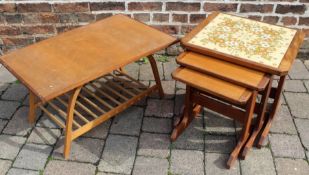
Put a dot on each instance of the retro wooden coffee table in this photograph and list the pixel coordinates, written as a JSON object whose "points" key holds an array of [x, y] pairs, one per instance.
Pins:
{"points": [[78, 73], [267, 48]]}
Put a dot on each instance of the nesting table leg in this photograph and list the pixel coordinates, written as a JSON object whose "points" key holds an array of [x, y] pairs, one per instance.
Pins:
{"points": [[245, 131], [69, 122], [187, 116], [260, 120], [274, 108], [156, 75], [32, 108]]}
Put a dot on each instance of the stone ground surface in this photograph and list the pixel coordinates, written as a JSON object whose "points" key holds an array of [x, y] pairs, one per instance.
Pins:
{"points": [[137, 140]]}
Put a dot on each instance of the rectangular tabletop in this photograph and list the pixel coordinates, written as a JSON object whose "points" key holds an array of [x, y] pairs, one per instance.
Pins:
{"points": [[225, 70], [59, 64], [225, 90], [250, 43]]}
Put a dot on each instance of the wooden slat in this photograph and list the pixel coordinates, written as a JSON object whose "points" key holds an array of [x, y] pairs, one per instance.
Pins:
{"points": [[115, 85], [62, 113], [105, 94], [112, 112], [91, 103], [113, 91], [75, 111], [126, 83], [129, 77], [53, 117], [98, 98], [85, 108], [119, 87], [222, 108]]}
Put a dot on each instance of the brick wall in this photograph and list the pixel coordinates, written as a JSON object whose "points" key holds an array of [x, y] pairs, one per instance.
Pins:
{"points": [[25, 22]]}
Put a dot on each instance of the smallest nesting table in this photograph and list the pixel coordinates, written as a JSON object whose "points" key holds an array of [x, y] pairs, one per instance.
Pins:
{"points": [[78, 73]]}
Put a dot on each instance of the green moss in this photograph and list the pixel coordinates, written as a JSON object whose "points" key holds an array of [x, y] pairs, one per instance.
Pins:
{"points": [[163, 58], [143, 60]]}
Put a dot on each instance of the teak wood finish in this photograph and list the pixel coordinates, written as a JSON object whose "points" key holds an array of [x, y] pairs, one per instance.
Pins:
{"points": [[79, 74], [73, 58], [235, 74], [265, 118], [283, 68], [224, 70], [219, 96], [212, 85]]}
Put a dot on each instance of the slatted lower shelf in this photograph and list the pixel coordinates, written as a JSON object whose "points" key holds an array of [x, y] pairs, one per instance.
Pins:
{"points": [[98, 101]]}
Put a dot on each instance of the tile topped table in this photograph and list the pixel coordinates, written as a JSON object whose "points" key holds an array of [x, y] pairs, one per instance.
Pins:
{"points": [[78, 73], [250, 43]]}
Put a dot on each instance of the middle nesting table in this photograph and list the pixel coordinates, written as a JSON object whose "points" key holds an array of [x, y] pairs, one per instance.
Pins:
{"points": [[213, 83]]}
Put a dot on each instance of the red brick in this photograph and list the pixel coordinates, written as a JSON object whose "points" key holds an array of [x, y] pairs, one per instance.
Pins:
{"points": [[288, 20], [85, 17], [143, 17], [62, 29], [145, 6], [209, 7], [49, 18], [262, 8], [305, 1], [160, 17], [303, 21], [9, 42], [284, 0], [183, 18], [2, 19], [35, 7], [306, 32], [254, 17], [71, 7], [46, 17], [68, 18], [13, 18], [31, 18], [94, 6], [283, 9], [197, 18], [9, 7], [41, 38], [102, 16], [271, 19], [9, 30], [170, 29], [182, 6], [186, 29], [32, 30]]}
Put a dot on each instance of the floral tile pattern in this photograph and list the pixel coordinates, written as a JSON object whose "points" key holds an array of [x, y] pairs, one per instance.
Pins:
{"points": [[244, 38]]}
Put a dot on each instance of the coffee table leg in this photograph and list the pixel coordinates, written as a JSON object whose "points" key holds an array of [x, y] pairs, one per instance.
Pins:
{"points": [[260, 121], [32, 108], [274, 109], [69, 122], [156, 74]]}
